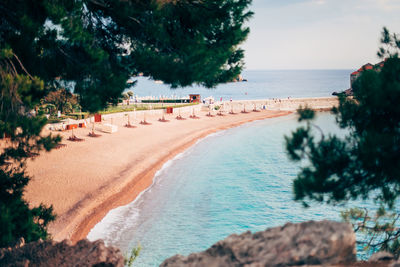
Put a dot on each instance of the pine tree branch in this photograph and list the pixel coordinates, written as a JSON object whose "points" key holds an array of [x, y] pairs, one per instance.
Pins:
{"points": [[22, 66]]}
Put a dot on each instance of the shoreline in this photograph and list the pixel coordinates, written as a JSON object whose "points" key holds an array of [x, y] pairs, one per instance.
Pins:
{"points": [[83, 198], [143, 181]]}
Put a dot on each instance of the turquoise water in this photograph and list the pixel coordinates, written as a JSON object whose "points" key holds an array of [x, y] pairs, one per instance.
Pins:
{"points": [[262, 84], [233, 181]]}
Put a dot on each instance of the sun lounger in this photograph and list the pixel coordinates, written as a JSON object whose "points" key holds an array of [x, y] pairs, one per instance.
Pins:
{"points": [[109, 128]]}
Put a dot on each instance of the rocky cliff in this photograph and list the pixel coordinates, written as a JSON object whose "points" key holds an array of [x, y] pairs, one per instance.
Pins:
{"points": [[292, 244]]}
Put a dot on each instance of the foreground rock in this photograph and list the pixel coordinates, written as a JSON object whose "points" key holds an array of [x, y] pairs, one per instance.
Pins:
{"points": [[308, 243], [48, 253]]}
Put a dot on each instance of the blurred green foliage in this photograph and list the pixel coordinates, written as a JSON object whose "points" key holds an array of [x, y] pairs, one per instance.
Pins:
{"points": [[363, 164]]}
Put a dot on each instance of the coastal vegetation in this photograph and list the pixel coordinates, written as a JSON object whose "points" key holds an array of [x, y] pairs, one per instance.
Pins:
{"points": [[129, 259], [91, 48], [113, 109], [364, 163], [117, 109]]}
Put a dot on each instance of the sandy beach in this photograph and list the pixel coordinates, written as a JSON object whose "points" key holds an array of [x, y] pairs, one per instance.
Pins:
{"points": [[84, 180]]}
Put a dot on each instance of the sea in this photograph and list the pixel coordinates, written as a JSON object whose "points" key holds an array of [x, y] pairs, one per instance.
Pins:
{"points": [[233, 181], [261, 84]]}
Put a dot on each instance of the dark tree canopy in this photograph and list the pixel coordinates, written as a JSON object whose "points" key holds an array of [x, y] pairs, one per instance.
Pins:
{"points": [[366, 162], [92, 47]]}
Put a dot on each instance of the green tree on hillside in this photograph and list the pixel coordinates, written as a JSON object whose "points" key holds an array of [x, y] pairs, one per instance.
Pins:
{"points": [[92, 47], [365, 163]]}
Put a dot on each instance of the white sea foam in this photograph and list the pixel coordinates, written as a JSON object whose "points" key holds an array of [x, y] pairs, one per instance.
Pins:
{"points": [[110, 227]]}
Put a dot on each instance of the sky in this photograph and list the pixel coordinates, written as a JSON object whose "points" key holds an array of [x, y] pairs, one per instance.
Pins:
{"points": [[317, 34]]}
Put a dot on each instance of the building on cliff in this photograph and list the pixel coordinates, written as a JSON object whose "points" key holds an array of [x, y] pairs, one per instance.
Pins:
{"points": [[368, 66], [354, 75]]}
